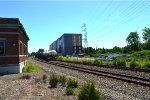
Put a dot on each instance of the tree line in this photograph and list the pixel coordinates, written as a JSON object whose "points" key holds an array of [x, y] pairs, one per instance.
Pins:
{"points": [[133, 44]]}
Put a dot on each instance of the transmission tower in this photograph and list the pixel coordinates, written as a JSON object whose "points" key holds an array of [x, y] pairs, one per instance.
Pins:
{"points": [[85, 40]]}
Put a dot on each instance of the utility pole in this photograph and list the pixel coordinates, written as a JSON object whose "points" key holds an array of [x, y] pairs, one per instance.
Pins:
{"points": [[85, 40]]}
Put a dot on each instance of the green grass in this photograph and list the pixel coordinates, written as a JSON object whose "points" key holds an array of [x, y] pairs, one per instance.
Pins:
{"points": [[30, 68], [89, 92], [141, 60]]}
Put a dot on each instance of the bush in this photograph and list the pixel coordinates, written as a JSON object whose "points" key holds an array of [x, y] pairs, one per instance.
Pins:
{"points": [[60, 58], [146, 65], [97, 62], [88, 92], [69, 91], [114, 62], [62, 80], [133, 64], [53, 81], [44, 78], [72, 83], [120, 62]]}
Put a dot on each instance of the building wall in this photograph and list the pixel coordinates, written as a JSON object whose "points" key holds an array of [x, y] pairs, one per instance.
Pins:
{"points": [[67, 44], [11, 49], [16, 46]]}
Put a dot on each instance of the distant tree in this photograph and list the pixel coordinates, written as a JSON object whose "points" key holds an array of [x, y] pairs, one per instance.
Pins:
{"points": [[103, 50], [133, 40], [126, 49], [116, 50], [41, 50], [33, 54], [146, 37], [89, 50]]}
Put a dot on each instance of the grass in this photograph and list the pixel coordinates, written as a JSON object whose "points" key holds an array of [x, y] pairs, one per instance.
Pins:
{"points": [[142, 60], [53, 81], [69, 91], [30, 68], [89, 92]]}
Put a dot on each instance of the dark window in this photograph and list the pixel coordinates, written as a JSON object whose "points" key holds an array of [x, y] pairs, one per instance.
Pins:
{"points": [[2, 47], [21, 48]]}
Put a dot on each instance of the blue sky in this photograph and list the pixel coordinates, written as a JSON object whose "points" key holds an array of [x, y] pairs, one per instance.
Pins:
{"points": [[108, 21]]}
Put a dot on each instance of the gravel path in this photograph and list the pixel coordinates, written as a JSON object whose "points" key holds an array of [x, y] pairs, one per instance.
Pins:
{"points": [[13, 87], [109, 88]]}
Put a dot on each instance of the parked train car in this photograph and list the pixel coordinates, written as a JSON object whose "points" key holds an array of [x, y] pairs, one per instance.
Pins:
{"points": [[49, 55]]}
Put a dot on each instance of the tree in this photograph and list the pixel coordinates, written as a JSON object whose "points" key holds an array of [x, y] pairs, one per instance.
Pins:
{"points": [[146, 37], [133, 40], [116, 50], [41, 50]]}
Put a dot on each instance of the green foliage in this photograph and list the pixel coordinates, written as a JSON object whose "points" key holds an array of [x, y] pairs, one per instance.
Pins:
{"points": [[53, 81], [41, 50], [62, 80], [114, 62], [88, 92], [30, 68], [60, 58], [142, 53], [96, 61], [120, 62], [69, 91], [72, 83], [133, 64], [133, 41], [146, 37], [146, 65]]}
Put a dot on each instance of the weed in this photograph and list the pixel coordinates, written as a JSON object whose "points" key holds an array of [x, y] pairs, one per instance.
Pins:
{"points": [[44, 78], [146, 65], [72, 83], [53, 81], [88, 92], [69, 91], [62, 80]]}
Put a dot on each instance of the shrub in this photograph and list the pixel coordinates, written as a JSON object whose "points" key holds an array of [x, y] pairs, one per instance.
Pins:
{"points": [[60, 58], [96, 61], [53, 81], [25, 77], [44, 78], [133, 64], [72, 83], [69, 91], [114, 62], [120, 62], [146, 65], [62, 80], [88, 92]]}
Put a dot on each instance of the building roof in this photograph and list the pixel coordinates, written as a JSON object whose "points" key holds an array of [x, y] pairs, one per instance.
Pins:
{"points": [[12, 22]]}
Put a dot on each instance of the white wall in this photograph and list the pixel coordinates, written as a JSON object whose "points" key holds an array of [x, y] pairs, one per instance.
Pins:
{"points": [[13, 68]]}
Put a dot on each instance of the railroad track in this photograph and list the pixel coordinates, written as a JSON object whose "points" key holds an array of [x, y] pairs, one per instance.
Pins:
{"points": [[125, 78]]}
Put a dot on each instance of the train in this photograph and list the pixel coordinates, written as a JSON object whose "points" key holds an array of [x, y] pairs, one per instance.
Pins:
{"points": [[49, 55]]}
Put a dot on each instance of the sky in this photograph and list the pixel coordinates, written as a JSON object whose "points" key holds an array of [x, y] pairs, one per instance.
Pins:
{"points": [[108, 22]]}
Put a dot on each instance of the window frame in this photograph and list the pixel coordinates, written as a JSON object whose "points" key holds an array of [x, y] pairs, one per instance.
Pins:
{"points": [[4, 42]]}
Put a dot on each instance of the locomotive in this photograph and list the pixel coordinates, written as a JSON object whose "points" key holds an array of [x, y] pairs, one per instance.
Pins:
{"points": [[49, 55]]}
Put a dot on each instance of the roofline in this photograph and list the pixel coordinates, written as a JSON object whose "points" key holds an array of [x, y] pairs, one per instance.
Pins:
{"points": [[17, 25]]}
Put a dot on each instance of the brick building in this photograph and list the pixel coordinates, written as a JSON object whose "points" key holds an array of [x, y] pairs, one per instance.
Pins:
{"points": [[13, 45], [68, 44]]}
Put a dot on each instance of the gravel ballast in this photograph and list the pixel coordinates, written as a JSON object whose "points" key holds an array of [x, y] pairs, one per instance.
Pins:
{"points": [[110, 89]]}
